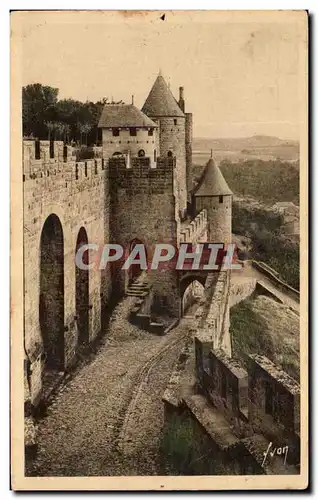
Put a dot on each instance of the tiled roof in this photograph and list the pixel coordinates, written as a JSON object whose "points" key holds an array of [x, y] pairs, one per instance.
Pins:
{"points": [[212, 182], [124, 115], [160, 101]]}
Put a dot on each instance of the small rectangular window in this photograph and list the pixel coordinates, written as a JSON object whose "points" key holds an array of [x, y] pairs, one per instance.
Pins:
{"points": [[115, 132], [150, 132], [221, 199], [133, 132], [37, 150], [175, 122], [51, 149]]}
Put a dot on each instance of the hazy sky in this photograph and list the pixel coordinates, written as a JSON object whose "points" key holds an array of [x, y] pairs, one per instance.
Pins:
{"points": [[240, 78]]}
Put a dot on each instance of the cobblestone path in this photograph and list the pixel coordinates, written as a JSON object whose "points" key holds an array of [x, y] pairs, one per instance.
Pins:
{"points": [[114, 399]]}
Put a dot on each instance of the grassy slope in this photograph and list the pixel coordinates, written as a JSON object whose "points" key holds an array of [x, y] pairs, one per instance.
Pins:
{"points": [[261, 325]]}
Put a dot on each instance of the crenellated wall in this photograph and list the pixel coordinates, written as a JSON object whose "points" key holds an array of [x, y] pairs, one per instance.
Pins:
{"points": [[196, 230], [215, 326], [143, 209], [76, 195]]}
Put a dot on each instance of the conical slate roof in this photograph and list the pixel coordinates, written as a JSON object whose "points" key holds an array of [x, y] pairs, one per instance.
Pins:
{"points": [[212, 182], [124, 115], [160, 101]]}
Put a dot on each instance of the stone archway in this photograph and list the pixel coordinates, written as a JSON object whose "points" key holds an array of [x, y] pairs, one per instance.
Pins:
{"points": [[51, 303], [82, 292], [191, 291], [134, 270]]}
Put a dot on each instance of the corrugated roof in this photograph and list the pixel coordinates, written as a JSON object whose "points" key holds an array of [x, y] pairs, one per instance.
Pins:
{"points": [[124, 115], [212, 182], [160, 101]]}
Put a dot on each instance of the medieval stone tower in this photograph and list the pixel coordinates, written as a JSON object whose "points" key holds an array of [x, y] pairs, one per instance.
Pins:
{"points": [[188, 137], [163, 109], [213, 194], [127, 131]]}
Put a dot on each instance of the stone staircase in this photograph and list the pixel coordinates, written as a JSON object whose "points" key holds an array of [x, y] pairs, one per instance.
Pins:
{"points": [[139, 288]]}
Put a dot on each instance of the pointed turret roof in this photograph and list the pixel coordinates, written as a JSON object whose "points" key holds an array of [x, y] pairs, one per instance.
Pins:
{"points": [[160, 101], [212, 182]]}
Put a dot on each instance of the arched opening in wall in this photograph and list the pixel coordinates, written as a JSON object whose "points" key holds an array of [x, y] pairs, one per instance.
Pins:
{"points": [[51, 304], [135, 270], [192, 293], [169, 154], [117, 153], [82, 292], [141, 153]]}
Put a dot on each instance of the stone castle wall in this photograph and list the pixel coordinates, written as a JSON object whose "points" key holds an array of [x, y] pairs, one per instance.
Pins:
{"points": [[172, 133], [77, 193], [188, 145], [143, 209], [125, 143], [219, 209]]}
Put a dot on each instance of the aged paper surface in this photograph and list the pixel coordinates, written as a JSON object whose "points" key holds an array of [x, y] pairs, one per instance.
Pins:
{"points": [[159, 250]]}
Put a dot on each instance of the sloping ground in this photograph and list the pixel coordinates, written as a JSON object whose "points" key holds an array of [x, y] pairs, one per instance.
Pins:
{"points": [[107, 419], [262, 325]]}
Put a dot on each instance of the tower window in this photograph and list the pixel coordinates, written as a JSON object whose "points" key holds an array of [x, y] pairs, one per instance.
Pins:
{"points": [[221, 199], [150, 132], [175, 121], [169, 154], [115, 132], [51, 149], [37, 150], [133, 132], [141, 153]]}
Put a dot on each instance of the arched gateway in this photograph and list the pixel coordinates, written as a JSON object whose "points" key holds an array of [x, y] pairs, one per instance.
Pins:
{"points": [[51, 303]]}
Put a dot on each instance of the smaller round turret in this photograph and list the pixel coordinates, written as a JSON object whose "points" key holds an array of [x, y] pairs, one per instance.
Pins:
{"points": [[214, 194]]}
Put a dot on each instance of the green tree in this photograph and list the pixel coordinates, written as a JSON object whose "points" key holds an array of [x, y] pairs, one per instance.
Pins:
{"points": [[38, 107]]}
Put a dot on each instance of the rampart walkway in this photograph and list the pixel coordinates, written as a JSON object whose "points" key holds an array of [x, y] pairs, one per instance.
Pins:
{"points": [[107, 420]]}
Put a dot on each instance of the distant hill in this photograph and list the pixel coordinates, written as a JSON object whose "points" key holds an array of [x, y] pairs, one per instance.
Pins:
{"points": [[262, 147], [240, 143]]}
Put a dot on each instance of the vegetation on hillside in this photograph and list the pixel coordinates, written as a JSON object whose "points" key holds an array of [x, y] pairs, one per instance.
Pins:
{"points": [[267, 181], [186, 450], [268, 244]]}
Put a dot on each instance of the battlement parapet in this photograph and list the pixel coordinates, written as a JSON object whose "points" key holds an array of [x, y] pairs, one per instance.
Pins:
{"points": [[274, 397], [42, 163], [47, 150], [139, 174], [192, 232], [214, 319], [263, 397]]}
